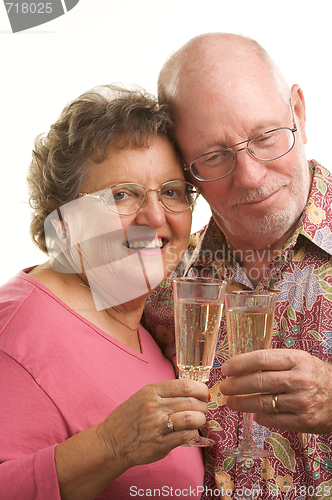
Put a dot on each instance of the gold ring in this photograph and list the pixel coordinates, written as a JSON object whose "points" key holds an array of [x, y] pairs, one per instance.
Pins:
{"points": [[170, 422], [275, 403]]}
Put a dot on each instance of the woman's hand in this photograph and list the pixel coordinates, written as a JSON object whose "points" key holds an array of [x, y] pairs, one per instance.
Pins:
{"points": [[136, 432]]}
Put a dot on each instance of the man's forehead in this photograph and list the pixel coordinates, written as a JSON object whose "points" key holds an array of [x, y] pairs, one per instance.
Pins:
{"points": [[219, 76], [214, 123], [228, 89]]}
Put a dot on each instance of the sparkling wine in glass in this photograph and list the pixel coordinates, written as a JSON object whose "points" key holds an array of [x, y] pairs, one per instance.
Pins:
{"points": [[249, 320], [198, 307]]}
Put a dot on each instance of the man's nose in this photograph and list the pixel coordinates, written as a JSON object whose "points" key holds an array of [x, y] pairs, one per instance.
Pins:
{"points": [[249, 172]]}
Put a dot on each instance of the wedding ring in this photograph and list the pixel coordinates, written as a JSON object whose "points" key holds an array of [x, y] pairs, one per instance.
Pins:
{"points": [[275, 403], [170, 422]]}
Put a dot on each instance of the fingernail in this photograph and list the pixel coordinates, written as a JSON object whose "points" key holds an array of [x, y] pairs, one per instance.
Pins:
{"points": [[222, 386], [226, 369]]}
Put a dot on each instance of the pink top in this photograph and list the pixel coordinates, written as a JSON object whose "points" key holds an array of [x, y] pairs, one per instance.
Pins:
{"points": [[60, 374]]}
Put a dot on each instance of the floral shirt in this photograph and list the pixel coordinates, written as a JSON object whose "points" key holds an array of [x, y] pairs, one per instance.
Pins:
{"points": [[301, 464]]}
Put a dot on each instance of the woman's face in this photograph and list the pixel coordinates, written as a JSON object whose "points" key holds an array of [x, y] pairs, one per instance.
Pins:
{"points": [[136, 251]]}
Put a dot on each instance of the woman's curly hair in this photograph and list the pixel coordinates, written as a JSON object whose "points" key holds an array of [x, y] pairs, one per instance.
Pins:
{"points": [[103, 117]]}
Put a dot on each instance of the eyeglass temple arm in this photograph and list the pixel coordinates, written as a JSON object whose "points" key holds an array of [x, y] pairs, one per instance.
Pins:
{"points": [[294, 129], [91, 195]]}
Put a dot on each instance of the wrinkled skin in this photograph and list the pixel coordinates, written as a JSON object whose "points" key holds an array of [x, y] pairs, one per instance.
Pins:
{"points": [[224, 93], [142, 434], [303, 384]]}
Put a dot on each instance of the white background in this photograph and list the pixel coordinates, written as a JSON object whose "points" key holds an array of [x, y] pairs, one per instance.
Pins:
{"points": [[127, 41]]}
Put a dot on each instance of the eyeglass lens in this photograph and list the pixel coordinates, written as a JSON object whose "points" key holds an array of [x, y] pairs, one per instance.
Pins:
{"points": [[127, 199], [268, 146]]}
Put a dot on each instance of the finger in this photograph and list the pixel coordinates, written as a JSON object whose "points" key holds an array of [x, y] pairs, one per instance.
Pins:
{"points": [[170, 424], [271, 382], [299, 380], [263, 359], [174, 405], [178, 438], [263, 403], [184, 420], [182, 388]]}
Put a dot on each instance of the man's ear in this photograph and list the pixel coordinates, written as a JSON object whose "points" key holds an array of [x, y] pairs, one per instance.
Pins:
{"points": [[298, 104]]}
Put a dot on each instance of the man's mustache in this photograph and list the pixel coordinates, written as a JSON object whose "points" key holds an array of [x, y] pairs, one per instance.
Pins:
{"points": [[257, 194]]}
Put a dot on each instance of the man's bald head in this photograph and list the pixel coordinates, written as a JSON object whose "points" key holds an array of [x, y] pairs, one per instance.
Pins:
{"points": [[222, 91], [219, 55]]}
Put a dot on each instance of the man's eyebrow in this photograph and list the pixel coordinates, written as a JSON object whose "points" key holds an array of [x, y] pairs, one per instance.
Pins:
{"points": [[256, 132]]}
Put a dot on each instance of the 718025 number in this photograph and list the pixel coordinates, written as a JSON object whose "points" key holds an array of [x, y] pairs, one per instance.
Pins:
{"points": [[30, 8]]}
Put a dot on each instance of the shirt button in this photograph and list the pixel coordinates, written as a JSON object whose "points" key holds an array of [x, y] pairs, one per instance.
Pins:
{"points": [[249, 463]]}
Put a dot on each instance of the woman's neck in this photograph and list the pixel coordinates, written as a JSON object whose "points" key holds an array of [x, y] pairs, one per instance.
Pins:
{"points": [[120, 322]]}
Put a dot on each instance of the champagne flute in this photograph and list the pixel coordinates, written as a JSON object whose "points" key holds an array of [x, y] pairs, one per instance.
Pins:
{"points": [[198, 307], [249, 320]]}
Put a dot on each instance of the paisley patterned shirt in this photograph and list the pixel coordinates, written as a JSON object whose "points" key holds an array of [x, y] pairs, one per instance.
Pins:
{"points": [[301, 464]]}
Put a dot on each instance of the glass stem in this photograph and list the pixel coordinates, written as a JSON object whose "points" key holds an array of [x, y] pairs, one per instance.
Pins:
{"points": [[247, 425]]}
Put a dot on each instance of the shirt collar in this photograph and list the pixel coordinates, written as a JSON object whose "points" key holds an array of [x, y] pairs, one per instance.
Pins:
{"points": [[209, 245], [315, 223]]}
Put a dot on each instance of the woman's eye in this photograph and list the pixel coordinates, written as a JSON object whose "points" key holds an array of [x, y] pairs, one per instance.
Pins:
{"points": [[119, 196], [126, 195], [172, 194], [169, 193]]}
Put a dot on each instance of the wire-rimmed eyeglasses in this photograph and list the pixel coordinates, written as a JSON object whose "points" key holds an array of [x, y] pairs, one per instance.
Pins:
{"points": [[128, 198], [269, 146]]}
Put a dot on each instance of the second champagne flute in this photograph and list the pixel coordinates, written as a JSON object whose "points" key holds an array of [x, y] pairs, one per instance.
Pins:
{"points": [[198, 307], [249, 320]]}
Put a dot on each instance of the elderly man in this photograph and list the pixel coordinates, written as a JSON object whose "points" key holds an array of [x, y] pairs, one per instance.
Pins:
{"points": [[241, 132]]}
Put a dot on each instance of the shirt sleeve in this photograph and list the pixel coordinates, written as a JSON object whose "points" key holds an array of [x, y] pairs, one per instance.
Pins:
{"points": [[30, 428]]}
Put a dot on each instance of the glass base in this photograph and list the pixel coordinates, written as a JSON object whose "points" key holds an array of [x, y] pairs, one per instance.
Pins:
{"points": [[200, 441], [201, 373], [247, 450]]}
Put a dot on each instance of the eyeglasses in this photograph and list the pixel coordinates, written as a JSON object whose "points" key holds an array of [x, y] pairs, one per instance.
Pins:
{"points": [[265, 147], [127, 199]]}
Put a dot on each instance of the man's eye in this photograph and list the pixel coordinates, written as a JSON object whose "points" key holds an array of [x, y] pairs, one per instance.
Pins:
{"points": [[264, 139], [217, 158], [267, 139]]}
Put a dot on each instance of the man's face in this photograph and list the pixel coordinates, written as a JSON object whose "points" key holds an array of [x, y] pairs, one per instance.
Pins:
{"points": [[259, 202]]}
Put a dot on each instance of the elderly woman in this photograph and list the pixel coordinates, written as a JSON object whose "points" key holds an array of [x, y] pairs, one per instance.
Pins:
{"points": [[90, 408]]}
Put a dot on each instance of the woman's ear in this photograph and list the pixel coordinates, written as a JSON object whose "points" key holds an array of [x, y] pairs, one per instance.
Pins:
{"points": [[62, 230]]}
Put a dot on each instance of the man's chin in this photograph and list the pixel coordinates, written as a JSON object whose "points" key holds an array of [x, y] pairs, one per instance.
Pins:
{"points": [[268, 229]]}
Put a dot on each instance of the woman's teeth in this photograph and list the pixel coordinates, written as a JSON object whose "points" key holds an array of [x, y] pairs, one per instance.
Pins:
{"points": [[156, 243]]}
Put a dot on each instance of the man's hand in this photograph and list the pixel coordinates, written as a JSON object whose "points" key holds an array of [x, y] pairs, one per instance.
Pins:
{"points": [[301, 382]]}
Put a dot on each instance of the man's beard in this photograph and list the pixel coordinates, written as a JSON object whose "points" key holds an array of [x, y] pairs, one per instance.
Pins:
{"points": [[270, 226], [273, 223]]}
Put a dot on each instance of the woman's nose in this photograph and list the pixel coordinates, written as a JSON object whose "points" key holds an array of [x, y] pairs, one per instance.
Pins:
{"points": [[152, 213]]}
